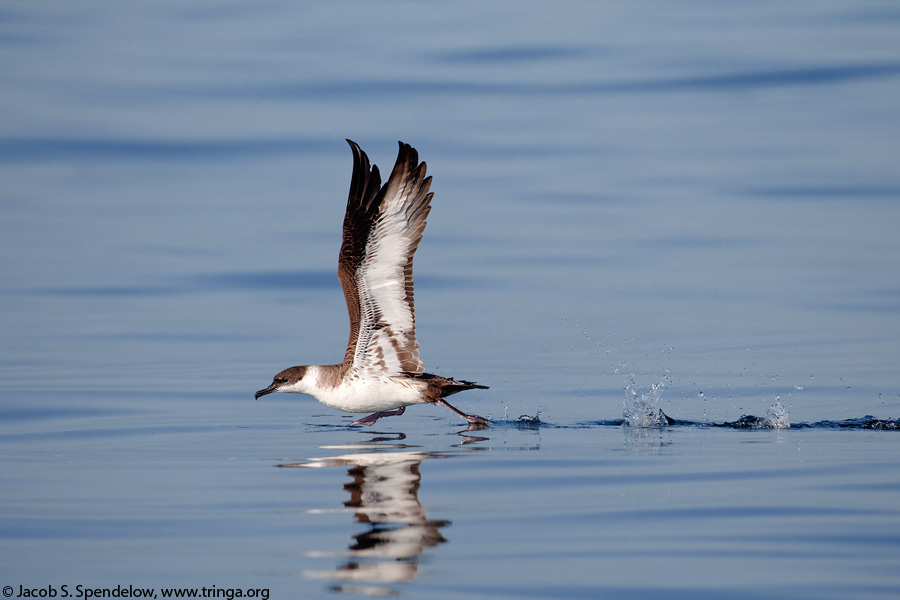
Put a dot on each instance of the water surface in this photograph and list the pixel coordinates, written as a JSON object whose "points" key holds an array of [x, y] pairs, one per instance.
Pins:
{"points": [[692, 207]]}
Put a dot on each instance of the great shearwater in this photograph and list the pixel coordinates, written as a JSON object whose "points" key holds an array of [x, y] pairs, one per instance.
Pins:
{"points": [[382, 371]]}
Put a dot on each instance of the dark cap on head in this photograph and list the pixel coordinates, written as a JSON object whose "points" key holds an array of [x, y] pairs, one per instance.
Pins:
{"points": [[286, 377]]}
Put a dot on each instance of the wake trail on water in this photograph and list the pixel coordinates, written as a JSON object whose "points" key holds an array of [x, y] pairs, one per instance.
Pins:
{"points": [[641, 410]]}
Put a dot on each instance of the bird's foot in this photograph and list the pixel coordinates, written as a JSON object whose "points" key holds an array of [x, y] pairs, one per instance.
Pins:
{"points": [[475, 422], [370, 419]]}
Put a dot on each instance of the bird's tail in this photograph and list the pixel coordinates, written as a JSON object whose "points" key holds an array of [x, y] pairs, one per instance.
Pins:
{"points": [[452, 386], [447, 386]]}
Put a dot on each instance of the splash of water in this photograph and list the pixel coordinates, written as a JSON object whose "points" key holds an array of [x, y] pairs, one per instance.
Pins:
{"points": [[777, 416], [641, 408], [529, 422]]}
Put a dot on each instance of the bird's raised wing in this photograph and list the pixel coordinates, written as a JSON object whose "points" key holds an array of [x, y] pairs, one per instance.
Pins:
{"points": [[382, 229]]}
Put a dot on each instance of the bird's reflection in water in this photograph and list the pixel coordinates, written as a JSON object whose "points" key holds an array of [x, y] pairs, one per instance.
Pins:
{"points": [[384, 495]]}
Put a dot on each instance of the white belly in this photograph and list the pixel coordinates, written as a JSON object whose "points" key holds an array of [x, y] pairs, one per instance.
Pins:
{"points": [[372, 395]]}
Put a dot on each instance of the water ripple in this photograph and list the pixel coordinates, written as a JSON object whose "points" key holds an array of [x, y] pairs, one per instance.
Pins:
{"points": [[24, 150]]}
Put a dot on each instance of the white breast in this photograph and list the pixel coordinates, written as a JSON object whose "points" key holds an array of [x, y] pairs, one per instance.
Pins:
{"points": [[356, 394]]}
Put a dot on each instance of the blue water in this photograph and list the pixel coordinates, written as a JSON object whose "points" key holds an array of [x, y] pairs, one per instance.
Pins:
{"points": [[689, 208]]}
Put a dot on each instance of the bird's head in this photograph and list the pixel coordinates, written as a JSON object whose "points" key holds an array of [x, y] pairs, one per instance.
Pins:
{"points": [[289, 380]]}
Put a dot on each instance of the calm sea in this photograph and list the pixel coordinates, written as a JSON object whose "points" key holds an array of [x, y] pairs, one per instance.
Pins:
{"points": [[639, 207]]}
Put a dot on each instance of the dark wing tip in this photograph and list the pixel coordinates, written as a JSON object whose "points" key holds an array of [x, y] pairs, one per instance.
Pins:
{"points": [[365, 180], [408, 155]]}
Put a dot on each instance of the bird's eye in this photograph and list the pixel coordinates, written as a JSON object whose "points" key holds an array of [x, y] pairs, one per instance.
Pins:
{"points": [[282, 380]]}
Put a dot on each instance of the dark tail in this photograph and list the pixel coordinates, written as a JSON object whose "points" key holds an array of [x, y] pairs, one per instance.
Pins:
{"points": [[447, 386], [451, 387]]}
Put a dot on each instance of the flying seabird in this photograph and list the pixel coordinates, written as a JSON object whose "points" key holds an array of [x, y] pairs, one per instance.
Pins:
{"points": [[382, 371]]}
